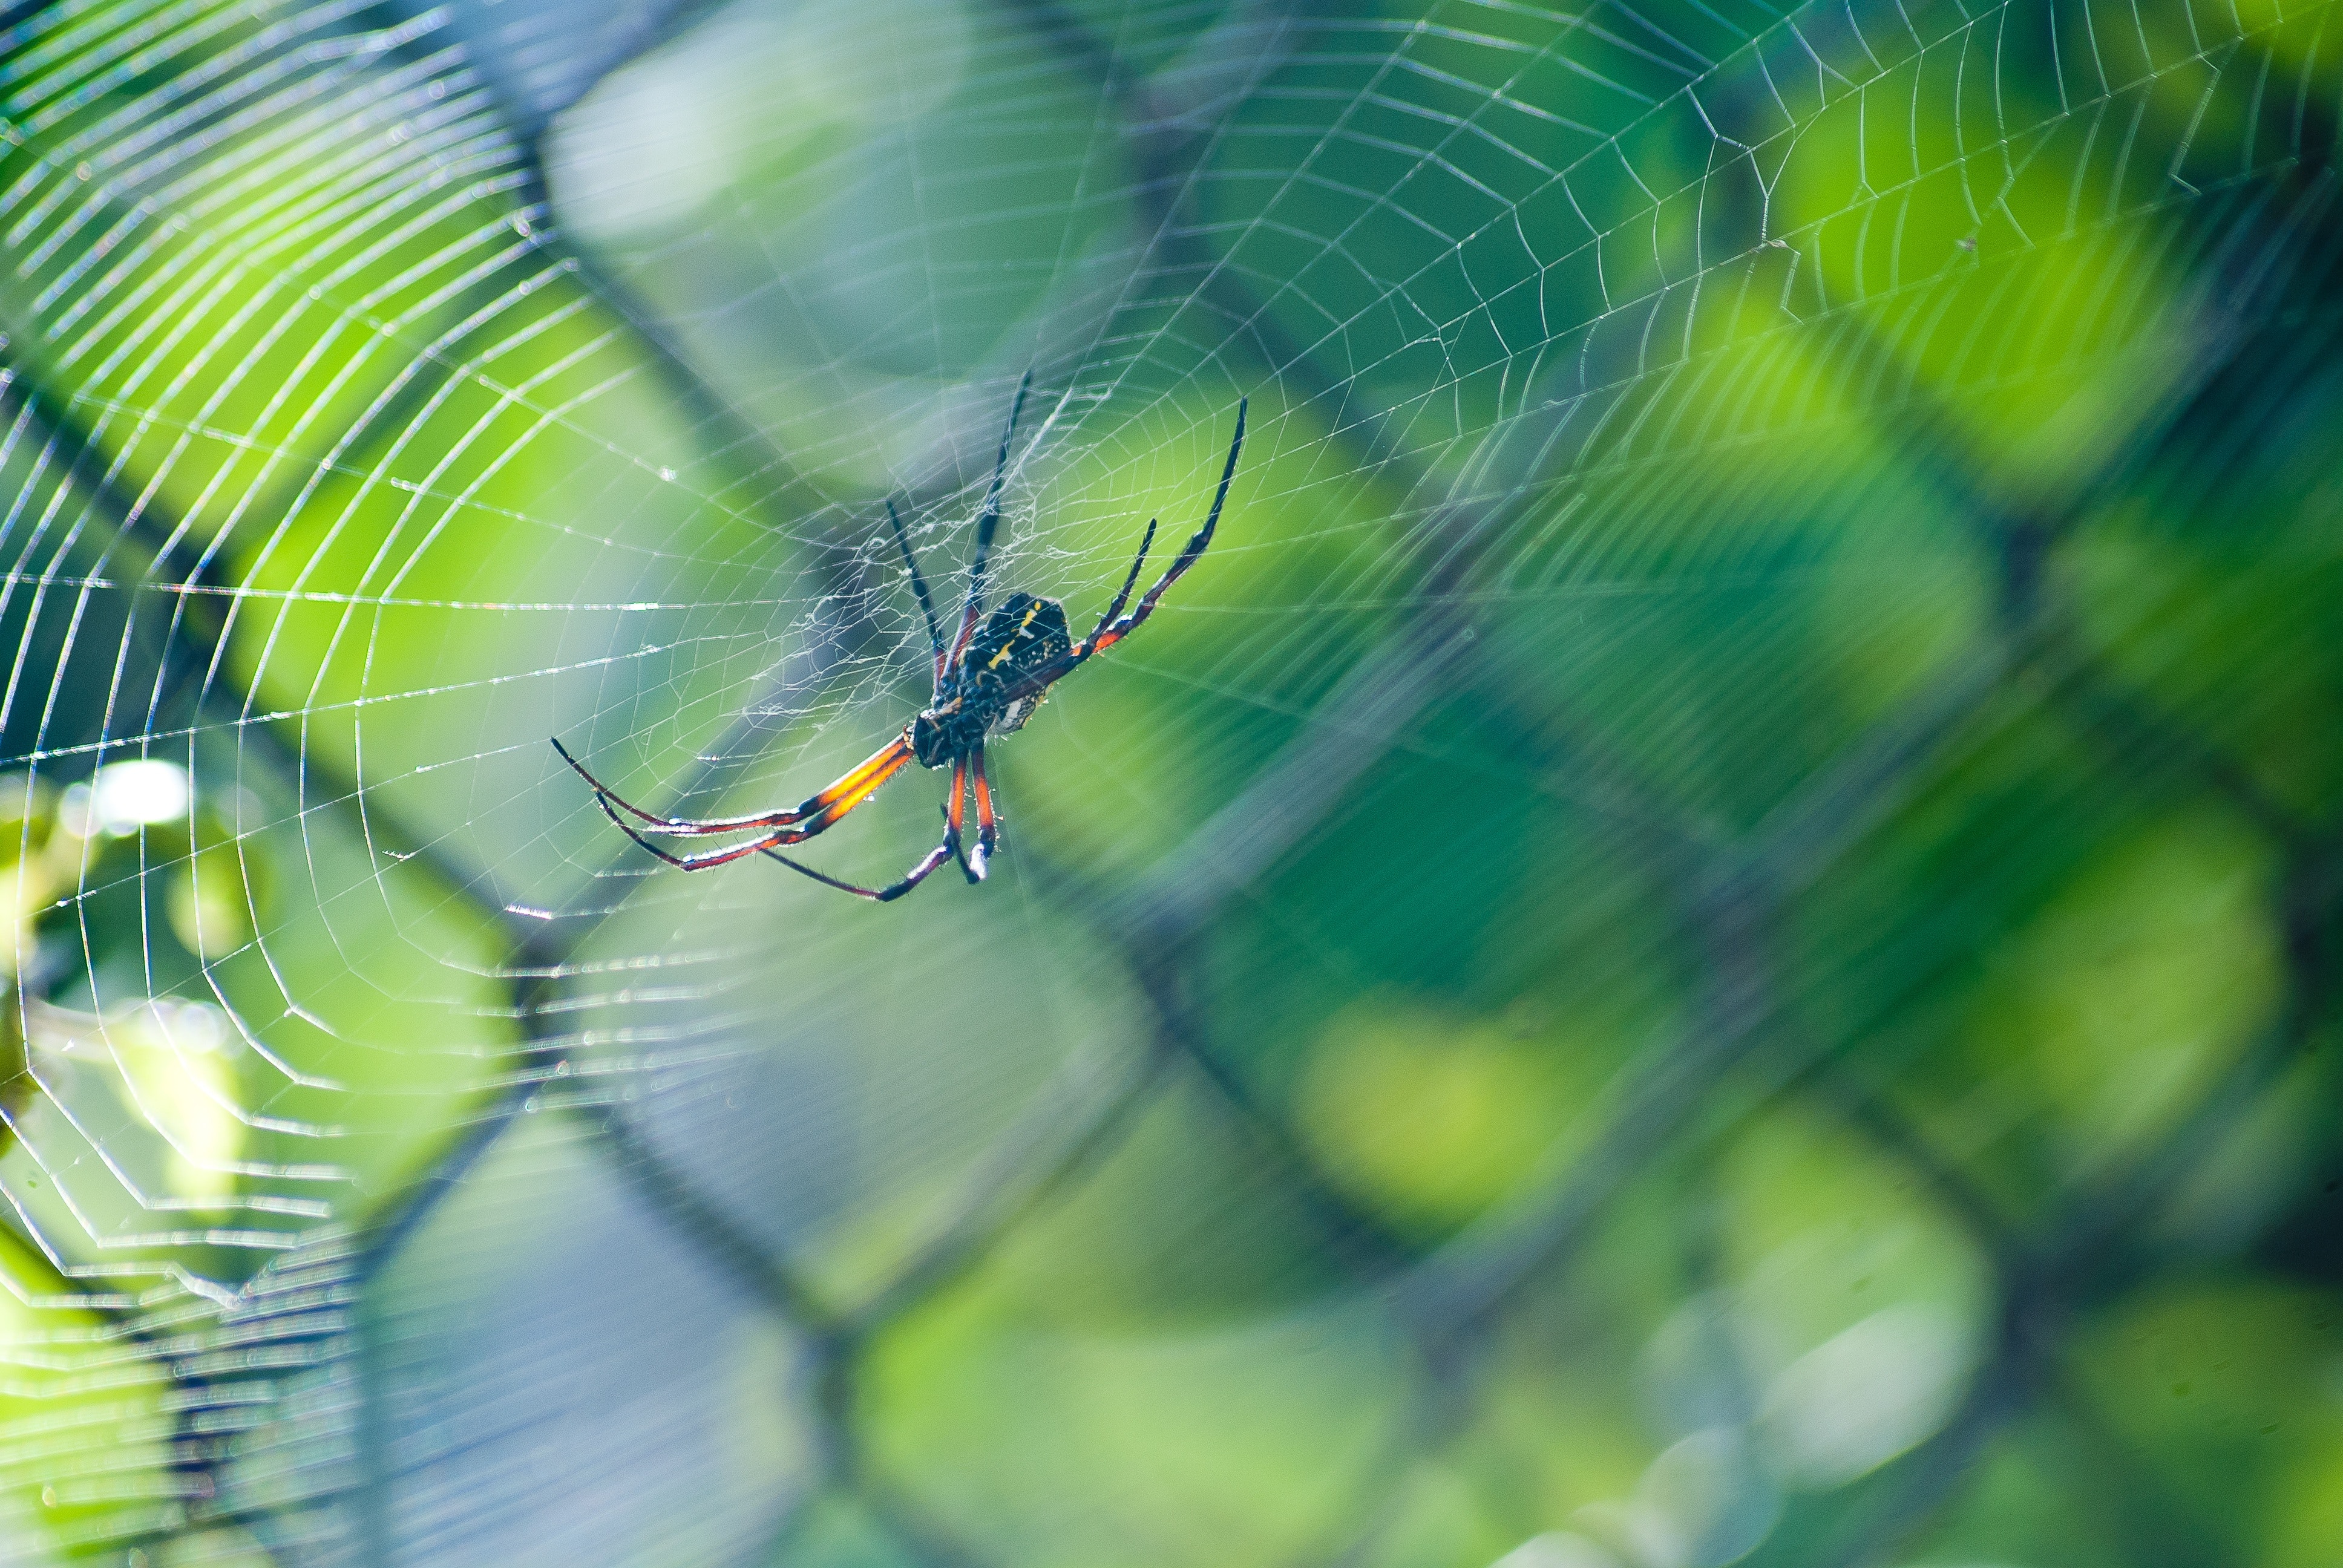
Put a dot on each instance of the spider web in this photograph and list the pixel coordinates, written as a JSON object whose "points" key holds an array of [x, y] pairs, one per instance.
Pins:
{"points": [[1692, 449]]}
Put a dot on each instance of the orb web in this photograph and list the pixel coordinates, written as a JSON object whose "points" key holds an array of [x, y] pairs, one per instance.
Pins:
{"points": [[1660, 416]]}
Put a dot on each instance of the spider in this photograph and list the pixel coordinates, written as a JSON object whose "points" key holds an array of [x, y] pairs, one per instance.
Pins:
{"points": [[988, 682]]}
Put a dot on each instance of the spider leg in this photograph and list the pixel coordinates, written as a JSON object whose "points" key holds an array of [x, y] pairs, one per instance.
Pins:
{"points": [[824, 809], [887, 762], [1107, 637], [886, 895], [1129, 581], [674, 826], [706, 859], [919, 586], [934, 858], [988, 523], [960, 853], [1042, 677], [837, 802], [960, 850], [988, 826]]}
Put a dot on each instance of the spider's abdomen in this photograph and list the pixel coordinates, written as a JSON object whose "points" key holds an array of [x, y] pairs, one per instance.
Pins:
{"points": [[1023, 634]]}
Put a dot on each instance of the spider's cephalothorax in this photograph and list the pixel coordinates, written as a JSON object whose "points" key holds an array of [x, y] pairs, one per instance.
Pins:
{"points": [[1025, 634], [988, 682]]}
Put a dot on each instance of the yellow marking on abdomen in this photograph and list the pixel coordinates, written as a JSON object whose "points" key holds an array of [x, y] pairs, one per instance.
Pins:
{"points": [[1031, 611]]}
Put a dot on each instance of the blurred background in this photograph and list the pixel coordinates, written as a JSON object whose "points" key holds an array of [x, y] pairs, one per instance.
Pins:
{"points": [[1709, 933]]}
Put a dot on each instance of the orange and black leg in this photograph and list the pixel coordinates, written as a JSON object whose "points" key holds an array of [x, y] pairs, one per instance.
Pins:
{"points": [[948, 849], [816, 815], [988, 825], [851, 790]]}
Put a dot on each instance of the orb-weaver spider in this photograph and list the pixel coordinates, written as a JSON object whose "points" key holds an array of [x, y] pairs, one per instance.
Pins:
{"points": [[987, 683]]}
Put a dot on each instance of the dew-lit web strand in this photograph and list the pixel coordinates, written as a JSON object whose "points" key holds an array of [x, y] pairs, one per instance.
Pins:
{"points": [[460, 372], [373, 601], [480, 378], [1691, 97], [1999, 149], [275, 235], [1325, 142], [1503, 98], [432, 533], [443, 392], [130, 1187], [1327, 139], [258, 717]]}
